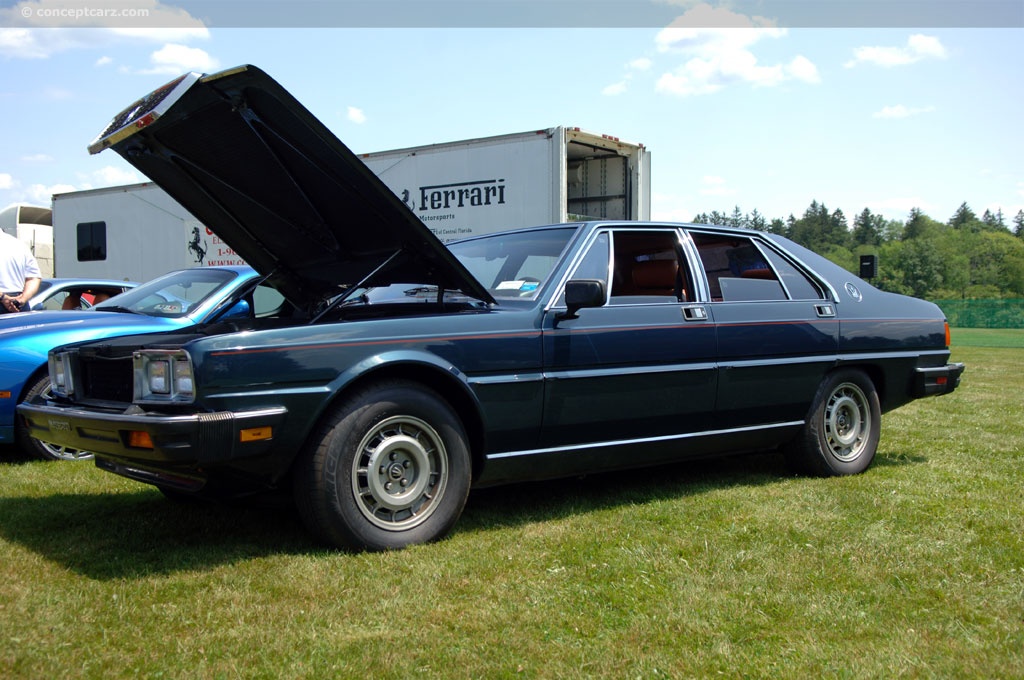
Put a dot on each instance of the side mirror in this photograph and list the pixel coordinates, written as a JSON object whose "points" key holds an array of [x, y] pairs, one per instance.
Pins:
{"points": [[239, 310], [580, 294]]}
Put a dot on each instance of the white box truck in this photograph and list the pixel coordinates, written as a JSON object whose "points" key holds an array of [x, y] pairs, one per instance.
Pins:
{"points": [[135, 232], [547, 176], [458, 189], [33, 226]]}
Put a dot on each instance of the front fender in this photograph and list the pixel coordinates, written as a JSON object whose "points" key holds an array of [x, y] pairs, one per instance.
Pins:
{"points": [[18, 366]]}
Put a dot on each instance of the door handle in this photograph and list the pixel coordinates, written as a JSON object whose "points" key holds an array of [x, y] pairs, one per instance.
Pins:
{"points": [[825, 311], [695, 313]]}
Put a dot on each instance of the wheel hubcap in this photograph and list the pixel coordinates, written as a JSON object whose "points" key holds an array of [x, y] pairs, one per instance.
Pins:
{"points": [[64, 453], [399, 473], [61, 452], [847, 422]]}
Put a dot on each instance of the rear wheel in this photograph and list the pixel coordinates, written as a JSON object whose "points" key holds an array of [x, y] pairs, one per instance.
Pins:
{"points": [[38, 449], [388, 468], [843, 427]]}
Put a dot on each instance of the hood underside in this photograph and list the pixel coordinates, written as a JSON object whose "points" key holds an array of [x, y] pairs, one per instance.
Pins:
{"points": [[256, 167]]}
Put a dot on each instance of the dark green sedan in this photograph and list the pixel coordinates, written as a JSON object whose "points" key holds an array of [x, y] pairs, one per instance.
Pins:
{"points": [[401, 373]]}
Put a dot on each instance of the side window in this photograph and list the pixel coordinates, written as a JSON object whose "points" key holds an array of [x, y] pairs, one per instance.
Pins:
{"points": [[798, 284], [57, 302], [92, 241], [736, 269], [266, 300], [594, 264], [647, 268]]}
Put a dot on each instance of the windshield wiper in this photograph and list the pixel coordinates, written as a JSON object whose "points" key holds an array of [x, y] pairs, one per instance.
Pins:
{"points": [[115, 308]]}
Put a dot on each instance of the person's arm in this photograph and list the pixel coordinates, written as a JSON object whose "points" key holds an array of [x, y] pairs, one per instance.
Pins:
{"points": [[31, 286]]}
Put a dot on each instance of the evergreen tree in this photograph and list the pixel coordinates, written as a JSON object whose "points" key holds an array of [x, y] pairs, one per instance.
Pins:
{"points": [[757, 221], [737, 219], [718, 218], [867, 229], [966, 257], [889, 230], [839, 228], [995, 222], [963, 218], [920, 225]]}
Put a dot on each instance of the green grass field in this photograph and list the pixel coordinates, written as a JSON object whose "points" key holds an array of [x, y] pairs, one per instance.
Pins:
{"points": [[988, 337], [732, 567]]}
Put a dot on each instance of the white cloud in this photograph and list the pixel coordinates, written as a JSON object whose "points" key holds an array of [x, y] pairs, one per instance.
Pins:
{"points": [[112, 176], [37, 158], [901, 111], [355, 115], [615, 89], [175, 59], [635, 66], [41, 194], [37, 29], [103, 61], [670, 208], [918, 47], [717, 43], [802, 68], [899, 205], [713, 185], [1020, 188]]}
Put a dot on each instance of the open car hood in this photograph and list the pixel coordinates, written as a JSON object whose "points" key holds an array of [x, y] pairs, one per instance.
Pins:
{"points": [[256, 167]]}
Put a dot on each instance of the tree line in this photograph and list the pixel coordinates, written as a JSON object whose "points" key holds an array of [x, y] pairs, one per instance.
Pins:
{"points": [[966, 257]]}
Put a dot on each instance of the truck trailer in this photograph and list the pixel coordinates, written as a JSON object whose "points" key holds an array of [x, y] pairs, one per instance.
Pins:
{"points": [[134, 232], [559, 174], [457, 189]]}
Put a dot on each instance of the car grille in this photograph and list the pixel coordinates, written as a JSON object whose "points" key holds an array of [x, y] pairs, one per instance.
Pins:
{"points": [[104, 379]]}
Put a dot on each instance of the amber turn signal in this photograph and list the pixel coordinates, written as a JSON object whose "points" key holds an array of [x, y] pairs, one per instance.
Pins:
{"points": [[255, 434], [140, 440]]}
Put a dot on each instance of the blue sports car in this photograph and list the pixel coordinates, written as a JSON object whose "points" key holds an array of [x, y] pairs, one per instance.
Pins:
{"points": [[175, 302], [75, 294]]}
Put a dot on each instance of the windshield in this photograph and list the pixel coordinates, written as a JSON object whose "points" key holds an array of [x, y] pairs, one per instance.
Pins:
{"points": [[172, 295], [514, 264]]}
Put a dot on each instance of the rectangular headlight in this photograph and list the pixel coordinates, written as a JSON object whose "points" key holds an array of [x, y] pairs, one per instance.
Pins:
{"points": [[183, 377], [59, 365], [163, 376], [157, 377]]}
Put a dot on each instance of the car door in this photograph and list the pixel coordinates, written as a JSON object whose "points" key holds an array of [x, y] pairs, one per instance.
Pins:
{"points": [[777, 330], [640, 367]]}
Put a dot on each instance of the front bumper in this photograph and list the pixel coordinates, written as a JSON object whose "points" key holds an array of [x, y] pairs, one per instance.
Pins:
{"points": [[189, 440], [935, 380]]}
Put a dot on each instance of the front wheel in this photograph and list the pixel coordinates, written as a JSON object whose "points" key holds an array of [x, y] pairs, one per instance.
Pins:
{"points": [[40, 449], [388, 468], [843, 427]]}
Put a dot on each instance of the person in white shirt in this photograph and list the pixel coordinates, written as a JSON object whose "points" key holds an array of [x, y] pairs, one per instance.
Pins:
{"points": [[19, 274]]}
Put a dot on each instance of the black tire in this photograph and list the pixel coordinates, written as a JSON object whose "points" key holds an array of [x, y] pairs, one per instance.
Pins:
{"points": [[387, 468], [35, 448], [842, 429]]}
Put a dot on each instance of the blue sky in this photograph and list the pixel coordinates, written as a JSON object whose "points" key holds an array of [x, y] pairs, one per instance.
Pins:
{"points": [[736, 108]]}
